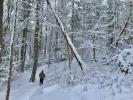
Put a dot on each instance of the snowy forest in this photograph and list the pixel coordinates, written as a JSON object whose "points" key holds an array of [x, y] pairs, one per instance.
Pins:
{"points": [[66, 50]]}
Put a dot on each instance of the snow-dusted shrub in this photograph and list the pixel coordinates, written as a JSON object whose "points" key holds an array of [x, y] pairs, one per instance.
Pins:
{"points": [[122, 61], [121, 68]]}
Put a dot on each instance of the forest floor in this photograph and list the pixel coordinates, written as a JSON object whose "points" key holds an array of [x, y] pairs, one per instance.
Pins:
{"points": [[98, 87]]}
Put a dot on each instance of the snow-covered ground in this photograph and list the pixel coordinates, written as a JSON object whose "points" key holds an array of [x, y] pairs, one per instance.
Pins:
{"points": [[100, 85]]}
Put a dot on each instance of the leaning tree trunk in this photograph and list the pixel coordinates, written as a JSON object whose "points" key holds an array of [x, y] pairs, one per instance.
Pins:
{"points": [[11, 52], [68, 40], [1, 29], [36, 42]]}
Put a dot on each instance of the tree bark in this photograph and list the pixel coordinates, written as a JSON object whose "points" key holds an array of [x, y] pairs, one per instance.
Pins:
{"points": [[1, 29], [83, 27], [11, 52], [72, 28], [36, 43], [25, 15], [23, 49], [94, 47]]}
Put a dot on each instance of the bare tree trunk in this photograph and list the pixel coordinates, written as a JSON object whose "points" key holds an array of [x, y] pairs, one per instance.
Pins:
{"points": [[36, 43], [115, 4], [56, 44], [56, 34], [36, 55], [72, 28], [10, 73], [25, 15], [46, 46], [94, 47], [9, 9], [11, 52], [50, 48], [23, 49], [69, 59], [46, 39], [83, 28], [41, 28], [1, 29]]}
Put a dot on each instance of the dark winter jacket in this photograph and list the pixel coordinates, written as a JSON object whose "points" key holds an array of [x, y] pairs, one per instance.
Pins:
{"points": [[42, 75]]}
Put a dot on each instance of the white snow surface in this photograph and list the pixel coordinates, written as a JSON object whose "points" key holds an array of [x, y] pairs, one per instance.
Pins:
{"points": [[22, 89]]}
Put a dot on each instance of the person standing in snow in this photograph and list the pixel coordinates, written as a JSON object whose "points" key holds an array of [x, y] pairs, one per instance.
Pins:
{"points": [[42, 76]]}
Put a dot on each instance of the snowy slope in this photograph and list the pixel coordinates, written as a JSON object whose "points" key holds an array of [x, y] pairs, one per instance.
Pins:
{"points": [[97, 87]]}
